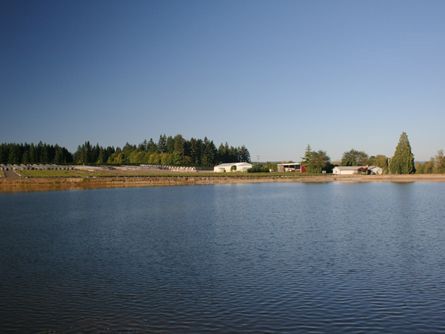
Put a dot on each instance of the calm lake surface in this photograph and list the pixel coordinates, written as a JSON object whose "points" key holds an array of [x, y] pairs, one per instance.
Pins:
{"points": [[304, 258]]}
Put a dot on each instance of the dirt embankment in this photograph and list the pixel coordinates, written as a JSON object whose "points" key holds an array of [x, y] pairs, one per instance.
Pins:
{"points": [[61, 183]]}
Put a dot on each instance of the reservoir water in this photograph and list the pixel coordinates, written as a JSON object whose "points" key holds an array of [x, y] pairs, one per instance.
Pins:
{"points": [[264, 258]]}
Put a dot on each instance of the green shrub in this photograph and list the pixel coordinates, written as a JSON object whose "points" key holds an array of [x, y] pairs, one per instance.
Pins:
{"points": [[258, 169]]}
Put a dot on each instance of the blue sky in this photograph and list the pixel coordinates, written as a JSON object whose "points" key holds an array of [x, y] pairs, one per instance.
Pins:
{"points": [[272, 75]]}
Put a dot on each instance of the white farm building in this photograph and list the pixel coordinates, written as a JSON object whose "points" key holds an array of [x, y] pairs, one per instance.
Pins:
{"points": [[346, 170], [350, 170], [232, 167]]}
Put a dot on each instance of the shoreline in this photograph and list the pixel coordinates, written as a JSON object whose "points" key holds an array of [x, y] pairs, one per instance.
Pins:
{"points": [[23, 184]]}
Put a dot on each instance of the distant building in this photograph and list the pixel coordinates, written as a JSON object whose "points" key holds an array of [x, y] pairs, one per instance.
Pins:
{"points": [[290, 167], [351, 170], [232, 167], [375, 170], [347, 170]]}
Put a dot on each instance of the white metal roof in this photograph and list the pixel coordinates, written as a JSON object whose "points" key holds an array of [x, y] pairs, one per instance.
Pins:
{"points": [[350, 167], [227, 164], [290, 164]]}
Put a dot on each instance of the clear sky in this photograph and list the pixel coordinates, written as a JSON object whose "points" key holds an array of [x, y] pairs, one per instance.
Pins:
{"points": [[272, 75]]}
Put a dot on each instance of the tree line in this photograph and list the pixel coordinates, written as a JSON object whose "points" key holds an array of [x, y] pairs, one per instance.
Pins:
{"points": [[178, 151], [168, 150], [434, 165], [34, 154]]}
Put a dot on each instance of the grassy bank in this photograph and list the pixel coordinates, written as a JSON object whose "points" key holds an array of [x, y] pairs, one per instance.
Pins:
{"points": [[58, 181]]}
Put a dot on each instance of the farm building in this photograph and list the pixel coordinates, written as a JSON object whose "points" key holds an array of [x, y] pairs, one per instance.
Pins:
{"points": [[290, 167], [375, 170], [347, 170], [232, 167], [350, 170]]}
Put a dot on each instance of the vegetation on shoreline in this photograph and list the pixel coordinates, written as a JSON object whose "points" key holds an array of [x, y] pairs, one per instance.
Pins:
{"points": [[41, 153], [316, 161], [178, 151], [403, 160], [434, 166]]}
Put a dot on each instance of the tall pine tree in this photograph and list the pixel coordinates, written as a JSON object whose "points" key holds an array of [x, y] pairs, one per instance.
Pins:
{"points": [[403, 159]]}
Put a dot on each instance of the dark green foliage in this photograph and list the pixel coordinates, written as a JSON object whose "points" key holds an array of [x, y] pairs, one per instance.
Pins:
{"points": [[208, 157], [34, 154], [258, 168], [403, 159], [168, 151], [195, 151], [151, 146], [354, 158], [243, 155], [316, 161], [87, 154], [179, 146], [170, 144], [228, 153], [162, 144], [439, 162]]}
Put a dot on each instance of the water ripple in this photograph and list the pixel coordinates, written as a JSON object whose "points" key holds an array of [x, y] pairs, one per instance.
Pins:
{"points": [[269, 258]]}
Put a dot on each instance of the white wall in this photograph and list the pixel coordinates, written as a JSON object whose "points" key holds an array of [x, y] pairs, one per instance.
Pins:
{"points": [[228, 169], [343, 172]]}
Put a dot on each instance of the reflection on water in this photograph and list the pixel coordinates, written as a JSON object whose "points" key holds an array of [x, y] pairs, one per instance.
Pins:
{"points": [[236, 258]]}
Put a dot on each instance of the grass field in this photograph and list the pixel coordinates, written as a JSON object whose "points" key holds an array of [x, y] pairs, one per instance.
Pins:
{"points": [[2, 174], [145, 173]]}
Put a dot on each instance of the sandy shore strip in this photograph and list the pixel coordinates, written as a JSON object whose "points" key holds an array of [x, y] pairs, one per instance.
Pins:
{"points": [[61, 183]]}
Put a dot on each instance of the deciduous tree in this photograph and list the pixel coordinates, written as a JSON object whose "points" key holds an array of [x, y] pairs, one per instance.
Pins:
{"points": [[354, 158]]}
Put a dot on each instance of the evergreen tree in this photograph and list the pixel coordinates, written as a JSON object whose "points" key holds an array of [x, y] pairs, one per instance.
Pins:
{"points": [[223, 153], [151, 146], [14, 155], [195, 151], [3, 154], [32, 154], [403, 159], [316, 161], [162, 144], [307, 155], [101, 159], [178, 146], [58, 156], [439, 162], [208, 153], [108, 152], [143, 146], [244, 155], [170, 144]]}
